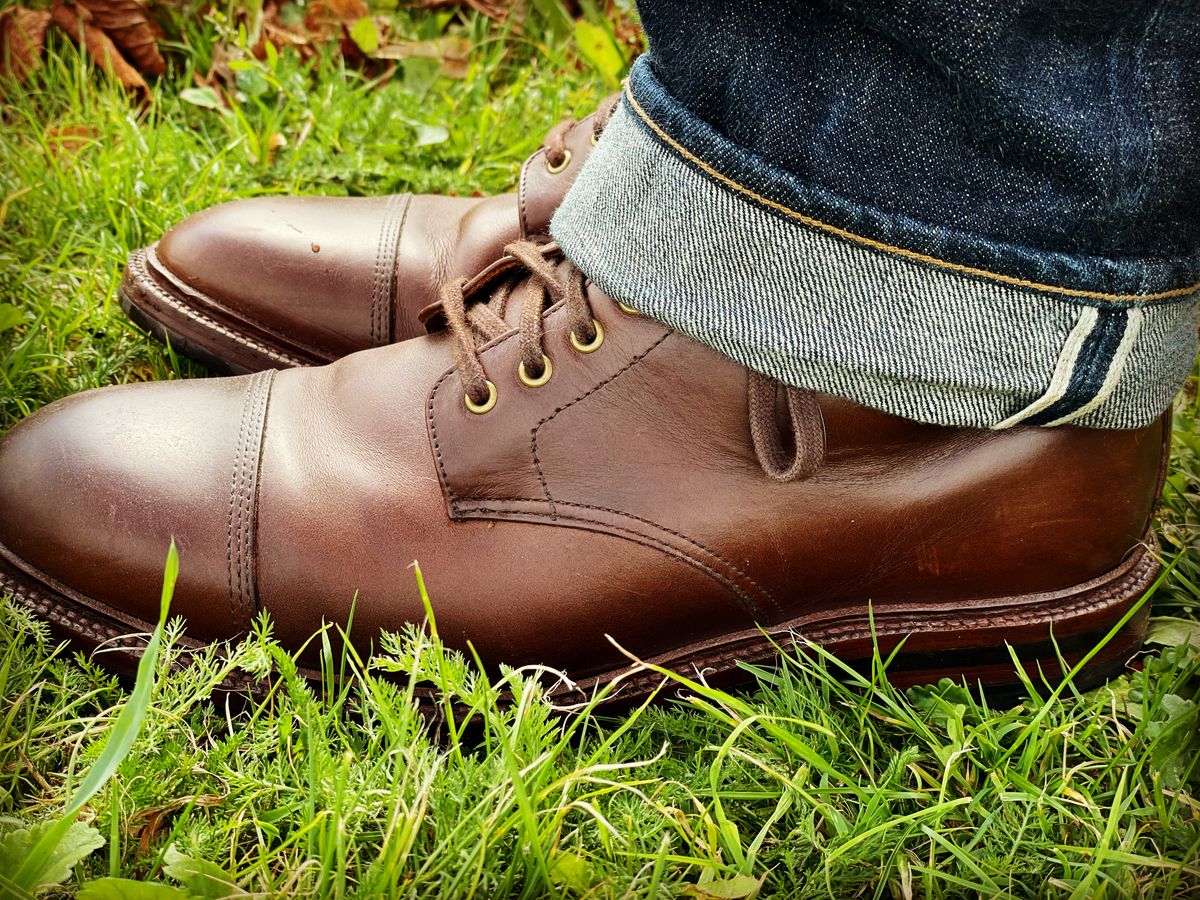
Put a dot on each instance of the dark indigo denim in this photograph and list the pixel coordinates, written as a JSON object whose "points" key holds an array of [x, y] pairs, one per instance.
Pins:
{"points": [[1051, 140]]}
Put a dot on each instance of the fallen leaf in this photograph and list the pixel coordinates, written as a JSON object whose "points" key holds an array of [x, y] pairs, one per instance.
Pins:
{"points": [[347, 10], [65, 141], [493, 9], [155, 818], [327, 19], [127, 23], [75, 20], [22, 36], [275, 141], [10, 316], [219, 74], [452, 52]]}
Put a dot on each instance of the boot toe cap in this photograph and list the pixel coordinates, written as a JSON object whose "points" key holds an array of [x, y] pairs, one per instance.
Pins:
{"points": [[302, 268], [94, 487]]}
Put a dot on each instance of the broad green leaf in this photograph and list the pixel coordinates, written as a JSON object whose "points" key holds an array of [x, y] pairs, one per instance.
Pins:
{"points": [[73, 846], [1165, 630], [570, 870], [734, 888], [128, 889], [204, 97], [10, 316], [598, 48], [251, 81], [124, 732], [199, 877], [365, 35]]}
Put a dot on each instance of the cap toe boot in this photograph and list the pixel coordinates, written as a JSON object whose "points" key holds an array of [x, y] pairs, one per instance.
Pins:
{"points": [[579, 482]]}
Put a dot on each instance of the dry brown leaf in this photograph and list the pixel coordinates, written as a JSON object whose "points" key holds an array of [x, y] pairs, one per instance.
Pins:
{"points": [[65, 141], [219, 74], [276, 141], [129, 26], [157, 817], [348, 10], [453, 52], [325, 19], [493, 9], [281, 35], [76, 21], [22, 35]]}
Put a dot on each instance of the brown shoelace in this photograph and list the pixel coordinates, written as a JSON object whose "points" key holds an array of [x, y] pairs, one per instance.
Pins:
{"points": [[550, 278], [548, 275], [556, 139], [806, 424]]}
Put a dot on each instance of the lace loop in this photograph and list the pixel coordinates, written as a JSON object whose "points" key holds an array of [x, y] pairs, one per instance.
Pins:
{"points": [[804, 419]]}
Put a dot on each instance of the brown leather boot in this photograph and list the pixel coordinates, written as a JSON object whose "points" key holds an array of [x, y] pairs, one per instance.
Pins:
{"points": [[565, 470], [274, 282]]}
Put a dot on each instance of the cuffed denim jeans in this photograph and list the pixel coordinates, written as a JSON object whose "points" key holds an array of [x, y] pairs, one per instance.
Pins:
{"points": [[967, 213]]}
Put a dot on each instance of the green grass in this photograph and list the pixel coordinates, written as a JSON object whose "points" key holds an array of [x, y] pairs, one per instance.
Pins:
{"points": [[812, 782]]}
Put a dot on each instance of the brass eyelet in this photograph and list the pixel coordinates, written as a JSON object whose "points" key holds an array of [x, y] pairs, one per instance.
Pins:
{"points": [[566, 161], [628, 310], [595, 342], [547, 371], [595, 139], [486, 406]]}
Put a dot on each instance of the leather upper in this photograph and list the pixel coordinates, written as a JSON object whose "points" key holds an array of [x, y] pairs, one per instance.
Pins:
{"points": [[621, 498]]}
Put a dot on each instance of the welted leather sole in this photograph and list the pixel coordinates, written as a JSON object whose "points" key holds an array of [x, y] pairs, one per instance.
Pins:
{"points": [[199, 327], [974, 641]]}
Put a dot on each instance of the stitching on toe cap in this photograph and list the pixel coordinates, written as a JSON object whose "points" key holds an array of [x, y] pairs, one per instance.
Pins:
{"points": [[240, 548]]}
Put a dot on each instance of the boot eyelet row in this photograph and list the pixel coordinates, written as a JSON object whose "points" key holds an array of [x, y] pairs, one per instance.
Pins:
{"points": [[591, 346], [538, 380], [555, 169]]}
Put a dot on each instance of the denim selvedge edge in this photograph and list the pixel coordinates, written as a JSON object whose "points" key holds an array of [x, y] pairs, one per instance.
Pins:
{"points": [[826, 313], [1089, 277]]}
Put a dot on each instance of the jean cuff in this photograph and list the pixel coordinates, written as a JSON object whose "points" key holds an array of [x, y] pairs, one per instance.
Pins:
{"points": [[681, 233]]}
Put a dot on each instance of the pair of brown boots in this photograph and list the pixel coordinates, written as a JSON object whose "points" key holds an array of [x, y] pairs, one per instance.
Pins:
{"points": [[573, 477]]}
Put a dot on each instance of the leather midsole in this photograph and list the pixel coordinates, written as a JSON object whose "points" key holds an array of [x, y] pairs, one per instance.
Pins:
{"points": [[1037, 627], [199, 319]]}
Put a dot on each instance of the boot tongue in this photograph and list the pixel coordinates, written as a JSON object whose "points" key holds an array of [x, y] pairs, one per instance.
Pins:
{"points": [[489, 287], [508, 304]]}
